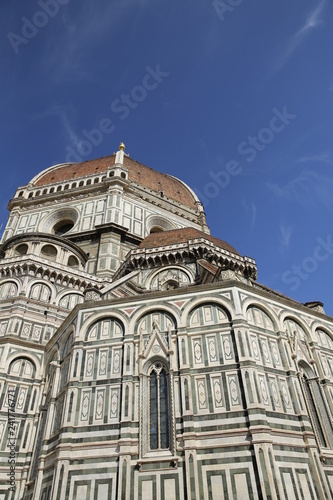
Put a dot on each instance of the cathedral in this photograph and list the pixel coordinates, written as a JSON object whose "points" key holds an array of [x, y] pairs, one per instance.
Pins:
{"points": [[140, 359]]}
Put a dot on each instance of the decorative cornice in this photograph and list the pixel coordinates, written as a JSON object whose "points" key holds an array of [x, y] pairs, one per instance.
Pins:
{"points": [[9, 339], [56, 273]]}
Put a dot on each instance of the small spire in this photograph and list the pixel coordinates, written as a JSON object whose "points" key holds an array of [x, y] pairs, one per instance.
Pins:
{"points": [[122, 146]]}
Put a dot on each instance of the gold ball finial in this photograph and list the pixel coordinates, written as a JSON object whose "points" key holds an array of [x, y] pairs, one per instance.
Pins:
{"points": [[122, 147]]}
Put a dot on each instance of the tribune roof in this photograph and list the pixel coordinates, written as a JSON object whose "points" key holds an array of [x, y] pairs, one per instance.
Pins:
{"points": [[166, 238]]}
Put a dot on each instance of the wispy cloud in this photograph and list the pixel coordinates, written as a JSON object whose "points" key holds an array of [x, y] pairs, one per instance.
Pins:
{"points": [[307, 189], [252, 211], [319, 158], [312, 21], [285, 235], [63, 113], [81, 34]]}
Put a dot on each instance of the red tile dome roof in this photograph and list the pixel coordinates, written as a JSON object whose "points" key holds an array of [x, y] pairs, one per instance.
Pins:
{"points": [[137, 172]]}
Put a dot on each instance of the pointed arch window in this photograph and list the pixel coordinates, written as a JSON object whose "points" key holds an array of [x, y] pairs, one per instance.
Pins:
{"points": [[313, 410], [317, 408], [159, 424]]}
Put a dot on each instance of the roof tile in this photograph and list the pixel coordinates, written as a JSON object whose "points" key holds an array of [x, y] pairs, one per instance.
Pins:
{"points": [[176, 236], [137, 172]]}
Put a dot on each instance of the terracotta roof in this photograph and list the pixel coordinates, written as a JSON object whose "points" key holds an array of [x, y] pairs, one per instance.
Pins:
{"points": [[182, 235], [137, 172], [208, 266]]}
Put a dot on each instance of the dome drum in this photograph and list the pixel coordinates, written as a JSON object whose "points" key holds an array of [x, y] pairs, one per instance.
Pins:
{"points": [[51, 248]]}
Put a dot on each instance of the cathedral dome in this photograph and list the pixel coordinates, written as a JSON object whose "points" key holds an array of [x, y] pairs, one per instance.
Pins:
{"points": [[167, 185]]}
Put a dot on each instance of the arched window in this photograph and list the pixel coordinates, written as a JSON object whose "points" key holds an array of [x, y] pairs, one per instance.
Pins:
{"points": [[76, 362], [70, 407], [49, 252], [73, 262], [66, 357], [317, 407], [159, 425], [21, 249], [27, 432]]}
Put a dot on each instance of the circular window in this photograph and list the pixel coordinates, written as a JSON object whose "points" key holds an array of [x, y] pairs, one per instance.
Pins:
{"points": [[156, 229], [49, 251], [21, 249], [59, 222], [157, 224], [170, 285], [63, 227]]}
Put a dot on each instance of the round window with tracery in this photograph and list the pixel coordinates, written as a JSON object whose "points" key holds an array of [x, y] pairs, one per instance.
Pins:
{"points": [[63, 227]]}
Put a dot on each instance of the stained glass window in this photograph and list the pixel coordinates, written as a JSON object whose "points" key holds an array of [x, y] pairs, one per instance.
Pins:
{"points": [[314, 411], [159, 408], [317, 407]]}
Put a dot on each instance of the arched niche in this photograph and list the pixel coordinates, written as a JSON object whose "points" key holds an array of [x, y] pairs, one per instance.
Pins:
{"points": [[324, 339], [23, 368], [207, 314], [8, 289], [292, 326], [70, 300], [106, 328], [258, 317], [40, 291], [162, 320]]}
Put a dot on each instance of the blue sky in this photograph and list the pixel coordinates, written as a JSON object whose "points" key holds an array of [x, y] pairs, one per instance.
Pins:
{"points": [[238, 104]]}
